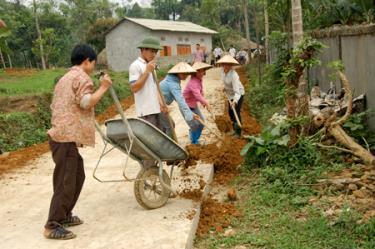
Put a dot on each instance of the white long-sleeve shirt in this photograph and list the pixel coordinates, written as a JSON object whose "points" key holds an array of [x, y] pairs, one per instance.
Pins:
{"points": [[232, 85]]}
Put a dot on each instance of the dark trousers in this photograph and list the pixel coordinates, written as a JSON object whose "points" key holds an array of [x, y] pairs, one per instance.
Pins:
{"points": [[238, 110], [68, 179]]}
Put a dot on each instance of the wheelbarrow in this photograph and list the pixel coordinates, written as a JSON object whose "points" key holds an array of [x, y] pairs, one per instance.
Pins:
{"points": [[140, 141]]}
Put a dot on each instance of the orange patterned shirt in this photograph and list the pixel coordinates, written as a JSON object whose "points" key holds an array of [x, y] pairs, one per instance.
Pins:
{"points": [[70, 122]]}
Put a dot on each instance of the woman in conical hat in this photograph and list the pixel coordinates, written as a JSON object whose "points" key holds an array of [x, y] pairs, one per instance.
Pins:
{"points": [[170, 87], [193, 94], [233, 89]]}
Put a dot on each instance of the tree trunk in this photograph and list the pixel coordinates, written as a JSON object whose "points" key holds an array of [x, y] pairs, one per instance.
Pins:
{"points": [[297, 23], [267, 32], [258, 41], [9, 59], [2, 59], [246, 19], [39, 37]]}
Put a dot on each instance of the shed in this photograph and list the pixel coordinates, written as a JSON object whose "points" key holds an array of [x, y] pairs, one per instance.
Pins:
{"points": [[177, 38]]}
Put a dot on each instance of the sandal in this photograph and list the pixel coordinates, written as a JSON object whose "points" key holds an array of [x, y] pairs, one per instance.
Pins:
{"points": [[59, 233], [71, 221]]}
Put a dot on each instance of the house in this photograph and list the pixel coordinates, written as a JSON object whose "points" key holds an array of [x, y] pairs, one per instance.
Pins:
{"points": [[178, 40]]}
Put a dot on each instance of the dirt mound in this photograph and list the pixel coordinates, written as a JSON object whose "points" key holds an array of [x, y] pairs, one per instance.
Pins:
{"points": [[19, 104], [20, 71], [20, 158], [226, 158], [215, 215]]}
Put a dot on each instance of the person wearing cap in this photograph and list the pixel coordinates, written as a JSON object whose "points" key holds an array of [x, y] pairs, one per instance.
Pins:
{"points": [[193, 94], [148, 103], [170, 87], [233, 89]]}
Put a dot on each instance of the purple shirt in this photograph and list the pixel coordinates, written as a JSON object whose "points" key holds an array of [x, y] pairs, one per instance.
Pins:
{"points": [[193, 92]]}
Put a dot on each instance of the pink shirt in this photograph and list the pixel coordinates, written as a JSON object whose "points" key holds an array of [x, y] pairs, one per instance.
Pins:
{"points": [[198, 56], [193, 92], [71, 123]]}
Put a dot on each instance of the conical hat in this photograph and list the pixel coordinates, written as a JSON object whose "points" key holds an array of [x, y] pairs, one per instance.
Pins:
{"points": [[227, 59], [201, 65], [182, 67]]}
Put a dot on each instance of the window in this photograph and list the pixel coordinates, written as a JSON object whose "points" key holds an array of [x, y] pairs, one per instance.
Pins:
{"points": [[202, 39], [183, 49], [166, 51], [180, 38], [162, 38], [186, 39]]}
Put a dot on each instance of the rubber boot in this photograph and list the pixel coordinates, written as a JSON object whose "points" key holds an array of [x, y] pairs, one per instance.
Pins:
{"points": [[237, 130]]}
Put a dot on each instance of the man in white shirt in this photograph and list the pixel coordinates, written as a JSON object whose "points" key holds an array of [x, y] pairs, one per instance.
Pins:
{"points": [[217, 53], [232, 51], [148, 103]]}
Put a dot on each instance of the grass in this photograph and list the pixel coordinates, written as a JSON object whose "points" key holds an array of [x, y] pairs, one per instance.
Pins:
{"points": [[40, 82], [272, 220], [36, 83]]}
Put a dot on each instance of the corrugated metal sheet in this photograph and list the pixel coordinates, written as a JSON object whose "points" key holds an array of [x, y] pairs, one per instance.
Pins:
{"points": [[169, 25]]}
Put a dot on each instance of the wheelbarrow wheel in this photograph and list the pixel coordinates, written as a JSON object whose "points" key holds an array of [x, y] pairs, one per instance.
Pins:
{"points": [[148, 190]]}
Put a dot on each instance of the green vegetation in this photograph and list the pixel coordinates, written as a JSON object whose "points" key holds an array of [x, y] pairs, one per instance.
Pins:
{"points": [[20, 129], [37, 82], [286, 221]]}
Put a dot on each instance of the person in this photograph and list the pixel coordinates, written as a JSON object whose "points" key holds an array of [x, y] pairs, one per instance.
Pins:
{"points": [[193, 94], [198, 54], [217, 53], [233, 89], [170, 87], [148, 102], [242, 57], [73, 126], [232, 51]]}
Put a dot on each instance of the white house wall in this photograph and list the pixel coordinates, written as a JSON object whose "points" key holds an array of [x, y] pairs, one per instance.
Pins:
{"points": [[121, 45], [122, 41]]}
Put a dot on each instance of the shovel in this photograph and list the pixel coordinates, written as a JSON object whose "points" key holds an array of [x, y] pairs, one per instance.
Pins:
{"points": [[211, 130], [235, 113]]}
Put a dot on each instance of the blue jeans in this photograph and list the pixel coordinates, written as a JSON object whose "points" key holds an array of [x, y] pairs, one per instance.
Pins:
{"points": [[195, 126]]}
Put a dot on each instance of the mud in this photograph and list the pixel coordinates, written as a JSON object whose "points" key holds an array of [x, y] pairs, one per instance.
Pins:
{"points": [[226, 158], [215, 216]]}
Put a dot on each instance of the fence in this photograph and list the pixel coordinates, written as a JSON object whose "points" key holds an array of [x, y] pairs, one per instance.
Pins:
{"points": [[355, 47]]}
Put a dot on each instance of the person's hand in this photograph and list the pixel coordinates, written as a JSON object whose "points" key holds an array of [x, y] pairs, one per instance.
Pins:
{"points": [[151, 66], [164, 109], [208, 107], [196, 117], [105, 81], [232, 103]]}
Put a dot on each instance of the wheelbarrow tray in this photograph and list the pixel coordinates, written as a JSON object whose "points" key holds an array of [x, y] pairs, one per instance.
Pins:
{"points": [[146, 135]]}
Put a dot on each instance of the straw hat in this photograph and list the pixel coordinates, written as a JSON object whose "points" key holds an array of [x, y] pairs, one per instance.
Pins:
{"points": [[227, 59], [182, 67], [201, 65]]}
